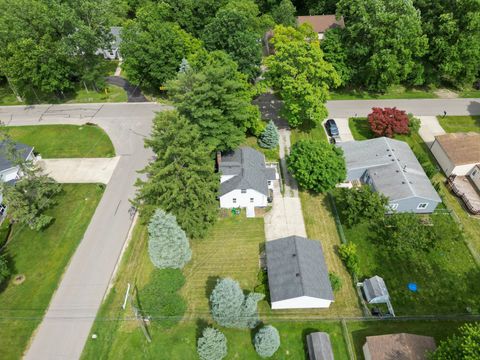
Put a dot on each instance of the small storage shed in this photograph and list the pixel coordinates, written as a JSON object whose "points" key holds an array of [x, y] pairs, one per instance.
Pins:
{"points": [[375, 290], [319, 346]]}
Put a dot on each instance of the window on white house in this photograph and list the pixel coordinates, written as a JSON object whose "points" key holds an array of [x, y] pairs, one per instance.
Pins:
{"points": [[251, 200], [422, 206], [234, 200], [270, 183], [393, 206], [244, 191]]}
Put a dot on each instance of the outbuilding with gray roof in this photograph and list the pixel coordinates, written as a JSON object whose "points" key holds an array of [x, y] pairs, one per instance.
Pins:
{"points": [[297, 274]]}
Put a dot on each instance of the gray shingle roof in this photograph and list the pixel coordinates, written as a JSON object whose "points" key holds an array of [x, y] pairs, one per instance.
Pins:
{"points": [[319, 346], [392, 167], [296, 267], [248, 166], [375, 287], [22, 150]]}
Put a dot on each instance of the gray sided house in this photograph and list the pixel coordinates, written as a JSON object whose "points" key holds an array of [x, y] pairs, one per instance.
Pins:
{"points": [[390, 167], [245, 180], [297, 274]]}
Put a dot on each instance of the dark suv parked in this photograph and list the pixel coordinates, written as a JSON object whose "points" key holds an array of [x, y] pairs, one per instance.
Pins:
{"points": [[331, 127]]}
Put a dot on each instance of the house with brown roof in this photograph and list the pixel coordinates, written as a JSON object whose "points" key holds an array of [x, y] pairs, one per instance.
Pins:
{"points": [[401, 346], [321, 23], [457, 153]]}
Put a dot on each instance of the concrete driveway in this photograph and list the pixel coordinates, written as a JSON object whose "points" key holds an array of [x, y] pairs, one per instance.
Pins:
{"points": [[429, 128], [88, 170], [343, 129]]}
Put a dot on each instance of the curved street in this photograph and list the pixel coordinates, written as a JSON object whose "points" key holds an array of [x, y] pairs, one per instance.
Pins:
{"points": [[66, 325]]}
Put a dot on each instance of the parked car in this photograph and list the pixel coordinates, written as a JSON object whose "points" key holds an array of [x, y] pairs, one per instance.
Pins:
{"points": [[331, 127]]}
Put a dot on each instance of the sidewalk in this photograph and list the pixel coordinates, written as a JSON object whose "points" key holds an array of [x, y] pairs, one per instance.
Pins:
{"points": [[429, 128]]}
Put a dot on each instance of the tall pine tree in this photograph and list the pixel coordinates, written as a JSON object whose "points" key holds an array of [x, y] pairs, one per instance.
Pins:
{"points": [[269, 137], [182, 179]]}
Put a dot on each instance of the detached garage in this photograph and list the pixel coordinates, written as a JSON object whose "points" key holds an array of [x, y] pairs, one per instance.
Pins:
{"points": [[457, 153], [297, 274]]}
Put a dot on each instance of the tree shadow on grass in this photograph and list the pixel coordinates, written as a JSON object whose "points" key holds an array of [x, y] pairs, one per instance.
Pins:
{"points": [[210, 285], [201, 324]]}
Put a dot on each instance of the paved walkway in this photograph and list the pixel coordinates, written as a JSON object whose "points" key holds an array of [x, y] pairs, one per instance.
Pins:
{"points": [[286, 217], [429, 128], [91, 170]]}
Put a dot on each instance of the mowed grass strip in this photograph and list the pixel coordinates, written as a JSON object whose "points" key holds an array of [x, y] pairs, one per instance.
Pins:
{"points": [[65, 141], [42, 257], [232, 249], [453, 124]]}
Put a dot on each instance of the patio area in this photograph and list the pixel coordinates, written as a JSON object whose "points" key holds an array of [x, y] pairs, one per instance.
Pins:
{"points": [[465, 189]]}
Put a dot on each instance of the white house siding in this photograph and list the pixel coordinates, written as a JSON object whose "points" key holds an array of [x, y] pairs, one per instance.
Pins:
{"points": [[224, 178], [475, 176], [462, 170], [442, 158], [302, 302], [243, 199], [9, 174]]}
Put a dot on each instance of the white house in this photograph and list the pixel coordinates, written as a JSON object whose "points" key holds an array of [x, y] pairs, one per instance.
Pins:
{"points": [[297, 274], [9, 172], [246, 181], [457, 153]]}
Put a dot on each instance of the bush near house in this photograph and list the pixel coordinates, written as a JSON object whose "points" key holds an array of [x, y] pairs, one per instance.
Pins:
{"points": [[212, 345], [348, 254], [267, 341], [388, 122], [465, 346]]}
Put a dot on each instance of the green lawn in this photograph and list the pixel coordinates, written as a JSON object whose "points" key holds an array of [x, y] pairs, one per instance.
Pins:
{"points": [[42, 257], [469, 93], [111, 93], [359, 330], [460, 123], [306, 132], [270, 154], [65, 141], [395, 92]]}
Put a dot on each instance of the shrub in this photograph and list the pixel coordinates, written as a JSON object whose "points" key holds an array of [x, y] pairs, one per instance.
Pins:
{"points": [[269, 138], [231, 308], [465, 346], [348, 254], [413, 124], [388, 122], [212, 345], [317, 165], [267, 341], [4, 269], [168, 245], [159, 298], [335, 281]]}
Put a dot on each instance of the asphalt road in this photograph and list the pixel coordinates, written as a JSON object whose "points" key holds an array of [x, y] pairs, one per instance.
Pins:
{"points": [[66, 325]]}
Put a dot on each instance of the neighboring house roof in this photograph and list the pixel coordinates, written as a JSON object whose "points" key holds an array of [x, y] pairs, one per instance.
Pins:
{"points": [[399, 346], [22, 150], [461, 148], [322, 23], [319, 346], [375, 287], [117, 38], [249, 170], [392, 167], [296, 267]]}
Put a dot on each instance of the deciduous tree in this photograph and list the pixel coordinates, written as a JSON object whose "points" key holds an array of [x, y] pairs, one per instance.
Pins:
{"points": [[317, 165], [236, 29], [267, 341], [463, 346], [216, 97], [388, 122], [153, 48], [168, 245], [212, 345], [300, 74], [181, 180], [284, 13], [348, 254], [231, 308]]}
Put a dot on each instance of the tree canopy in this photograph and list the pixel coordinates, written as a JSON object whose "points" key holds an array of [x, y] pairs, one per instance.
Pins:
{"points": [[236, 29], [317, 165], [181, 180], [216, 97], [299, 72], [270, 136], [47, 46], [231, 308], [384, 41], [267, 341], [388, 122], [153, 47], [168, 245], [212, 345], [463, 346]]}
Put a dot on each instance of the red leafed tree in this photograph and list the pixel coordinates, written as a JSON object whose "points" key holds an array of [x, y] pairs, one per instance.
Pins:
{"points": [[388, 121]]}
